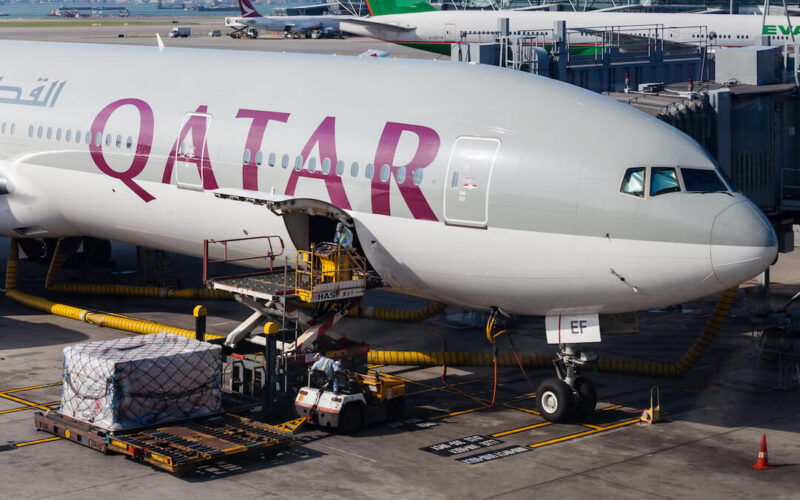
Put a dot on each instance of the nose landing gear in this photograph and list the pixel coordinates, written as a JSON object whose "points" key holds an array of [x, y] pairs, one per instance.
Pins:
{"points": [[569, 395]]}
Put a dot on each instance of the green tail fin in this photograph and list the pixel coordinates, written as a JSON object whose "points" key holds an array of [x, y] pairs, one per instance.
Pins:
{"points": [[384, 7]]}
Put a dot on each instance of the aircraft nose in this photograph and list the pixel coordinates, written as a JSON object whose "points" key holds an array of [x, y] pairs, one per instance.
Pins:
{"points": [[743, 243]]}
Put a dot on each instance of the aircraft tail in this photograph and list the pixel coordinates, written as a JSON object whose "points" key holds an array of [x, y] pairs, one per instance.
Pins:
{"points": [[384, 7], [248, 10]]}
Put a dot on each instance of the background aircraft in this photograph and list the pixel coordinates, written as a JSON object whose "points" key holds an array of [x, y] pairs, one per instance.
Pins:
{"points": [[414, 23], [303, 25]]}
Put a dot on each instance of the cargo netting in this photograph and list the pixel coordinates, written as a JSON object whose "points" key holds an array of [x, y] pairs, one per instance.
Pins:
{"points": [[140, 381]]}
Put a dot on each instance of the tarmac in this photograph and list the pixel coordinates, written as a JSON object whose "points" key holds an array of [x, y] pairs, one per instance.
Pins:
{"points": [[713, 417]]}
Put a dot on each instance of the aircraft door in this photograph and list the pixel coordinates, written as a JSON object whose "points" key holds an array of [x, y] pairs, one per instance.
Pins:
{"points": [[469, 172], [191, 157], [450, 32]]}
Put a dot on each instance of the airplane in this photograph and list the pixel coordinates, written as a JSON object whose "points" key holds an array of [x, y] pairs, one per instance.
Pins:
{"points": [[414, 23], [304, 25], [478, 202]]}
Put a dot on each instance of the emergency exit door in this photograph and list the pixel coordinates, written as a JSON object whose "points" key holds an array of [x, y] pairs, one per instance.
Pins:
{"points": [[191, 157], [469, 172]]}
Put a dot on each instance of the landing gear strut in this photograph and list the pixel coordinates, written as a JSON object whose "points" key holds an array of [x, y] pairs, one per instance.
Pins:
{"points": [[569, 395]]}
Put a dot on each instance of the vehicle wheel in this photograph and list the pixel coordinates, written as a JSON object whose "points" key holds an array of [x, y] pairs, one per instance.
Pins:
{"points": [[554, 400], [587, 396], [350, 419], [396, 408]]}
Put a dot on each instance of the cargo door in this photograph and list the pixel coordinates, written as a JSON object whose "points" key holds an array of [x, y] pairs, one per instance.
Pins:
{"points": [[469, 172], [450, 33], [191, 157]]}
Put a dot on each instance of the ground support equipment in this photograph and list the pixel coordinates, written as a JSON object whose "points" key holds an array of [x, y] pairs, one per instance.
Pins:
{"points": [[181, 447]]}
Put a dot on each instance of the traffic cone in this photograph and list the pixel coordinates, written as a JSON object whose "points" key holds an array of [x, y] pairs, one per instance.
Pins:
{"points": [[762, 463]]}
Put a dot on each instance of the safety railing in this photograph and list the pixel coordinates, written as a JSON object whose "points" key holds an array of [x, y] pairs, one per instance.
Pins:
{"points": [[329, 272], [273, 245]]}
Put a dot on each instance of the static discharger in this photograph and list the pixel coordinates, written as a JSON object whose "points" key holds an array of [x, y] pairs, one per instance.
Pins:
{"points": [[653, 414]]}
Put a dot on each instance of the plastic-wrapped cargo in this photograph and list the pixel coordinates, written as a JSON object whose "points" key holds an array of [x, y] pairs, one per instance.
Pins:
{"points": [[138, 381]]}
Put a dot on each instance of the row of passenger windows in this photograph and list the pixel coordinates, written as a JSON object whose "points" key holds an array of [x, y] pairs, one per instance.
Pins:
{"points": [[79, 137], [326, 165], [666, 180]]}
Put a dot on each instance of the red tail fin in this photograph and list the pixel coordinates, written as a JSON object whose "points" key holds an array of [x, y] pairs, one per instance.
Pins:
{"points": [[247, 9]]}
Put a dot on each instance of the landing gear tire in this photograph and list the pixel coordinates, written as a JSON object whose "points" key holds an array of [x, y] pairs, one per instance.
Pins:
{"points": [[350, 419], [554, 400], [587, 397]]}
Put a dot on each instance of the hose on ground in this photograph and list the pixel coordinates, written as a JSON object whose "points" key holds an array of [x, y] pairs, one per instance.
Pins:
{"points": [[611, 365], [53, 285], [117, 322]]}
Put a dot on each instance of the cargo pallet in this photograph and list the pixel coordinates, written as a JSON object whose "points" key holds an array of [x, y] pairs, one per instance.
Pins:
{"points": [[178, 448]]}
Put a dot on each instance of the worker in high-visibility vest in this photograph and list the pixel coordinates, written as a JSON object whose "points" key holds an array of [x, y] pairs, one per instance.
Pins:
{"points": [[326, 365], [343, 236]]}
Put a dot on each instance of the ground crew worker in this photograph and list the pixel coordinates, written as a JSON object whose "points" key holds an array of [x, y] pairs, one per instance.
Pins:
{"points": [[343, 236], [327, 365]]}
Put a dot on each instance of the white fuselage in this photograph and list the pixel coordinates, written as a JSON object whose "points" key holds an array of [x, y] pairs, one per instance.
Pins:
{"points": [[474, 196], [446, 27]]}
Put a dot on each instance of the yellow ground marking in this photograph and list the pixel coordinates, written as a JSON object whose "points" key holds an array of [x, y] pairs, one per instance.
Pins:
{"points": [[30, 388], [521, 429], [456, 413], [444, 387], [27, 408], [23, 401], [584, 433], [519, 408], [45, 440]]}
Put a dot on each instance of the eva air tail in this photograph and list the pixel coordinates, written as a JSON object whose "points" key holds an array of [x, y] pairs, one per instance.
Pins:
{"points": [[385, 7]]}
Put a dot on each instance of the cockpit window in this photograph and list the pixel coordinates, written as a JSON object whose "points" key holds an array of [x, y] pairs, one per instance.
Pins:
{"points": [[702, 180], [664, 180], [633, 182]]}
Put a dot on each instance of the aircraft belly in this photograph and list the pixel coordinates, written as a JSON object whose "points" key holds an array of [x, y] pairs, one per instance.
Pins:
{"points": [[535, 273], [177, 220]]}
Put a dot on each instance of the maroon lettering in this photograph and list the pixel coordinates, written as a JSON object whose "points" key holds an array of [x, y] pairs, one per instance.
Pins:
{"points": [[325, 137], [254, 138], [198, 126], [143, 145], [426, 152]]}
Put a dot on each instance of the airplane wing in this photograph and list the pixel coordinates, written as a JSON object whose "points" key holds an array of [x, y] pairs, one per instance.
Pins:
{"points": [[635, 43], [370, 23]]}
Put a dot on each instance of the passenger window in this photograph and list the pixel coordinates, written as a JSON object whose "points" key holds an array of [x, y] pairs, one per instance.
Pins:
{"points": [[49, 132], [369, 170], [58, 134], [259, 158], [98, 139], [246, 157], [664, 180], [89, 137], [326, 166], [3, 131], [39, 132], [108, 140], [633, 182], [118, 142], [418, 177], [271, 159], [78, 136], [285, 161], [401, 175], [298, 163], [698, 180], [354, 169], [129, 142], [30, 130], [340, 168], [312, 164], [13, 126], [385, 172], [68, 135]]}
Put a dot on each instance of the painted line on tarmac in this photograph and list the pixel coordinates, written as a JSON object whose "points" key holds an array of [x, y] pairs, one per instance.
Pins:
{"points": [[584, 433], [444, 387], [23, 401], [521, 429], [31, 387], [14, 446], [12, 410]]}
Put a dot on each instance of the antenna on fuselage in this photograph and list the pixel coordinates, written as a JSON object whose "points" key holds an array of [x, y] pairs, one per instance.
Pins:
{"points": [[160, 43]]}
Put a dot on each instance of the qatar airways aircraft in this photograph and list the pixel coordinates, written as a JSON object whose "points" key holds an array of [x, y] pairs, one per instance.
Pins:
{"points": [[472, 196], [414, 23], [251, 18]]}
